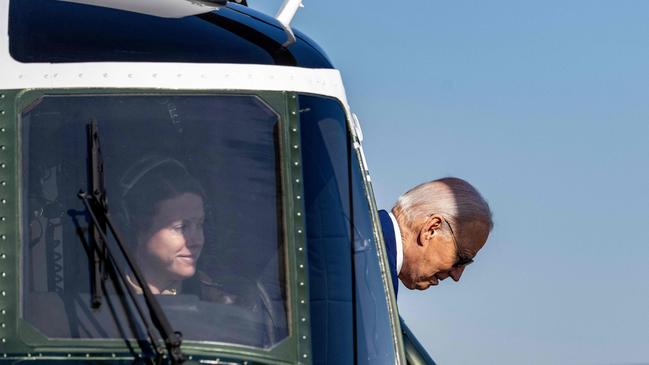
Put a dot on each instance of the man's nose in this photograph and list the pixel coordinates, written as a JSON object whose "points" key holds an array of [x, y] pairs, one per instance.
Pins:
{"points": [[456, 273]]}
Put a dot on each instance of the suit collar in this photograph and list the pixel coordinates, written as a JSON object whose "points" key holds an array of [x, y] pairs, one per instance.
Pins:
{"points": [[398, 241]]}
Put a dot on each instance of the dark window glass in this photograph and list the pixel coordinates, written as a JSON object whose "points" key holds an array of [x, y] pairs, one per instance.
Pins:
{"points": [[193, 184], [349, 309], [59, 31], [325, 156], [373, 325]]}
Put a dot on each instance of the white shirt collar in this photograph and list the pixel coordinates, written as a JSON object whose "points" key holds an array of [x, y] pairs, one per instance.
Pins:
{"points": [[399, 244]]}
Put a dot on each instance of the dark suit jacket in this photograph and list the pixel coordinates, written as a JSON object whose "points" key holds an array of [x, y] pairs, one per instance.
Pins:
{"points": [[390, 246]]}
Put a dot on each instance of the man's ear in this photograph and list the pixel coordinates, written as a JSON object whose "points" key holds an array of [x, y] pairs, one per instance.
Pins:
{"points": [[431, 226]]}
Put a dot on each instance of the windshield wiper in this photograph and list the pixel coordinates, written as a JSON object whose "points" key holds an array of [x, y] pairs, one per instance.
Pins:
{"points": [[96, 205]]}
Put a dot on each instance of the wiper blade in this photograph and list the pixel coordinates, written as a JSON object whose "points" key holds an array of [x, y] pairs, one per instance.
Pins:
{"points": [[96, 180], [98, 241], [96, 205]]}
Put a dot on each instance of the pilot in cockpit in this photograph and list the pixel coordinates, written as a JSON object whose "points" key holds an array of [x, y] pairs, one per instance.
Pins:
{"points": [[164, 211], [163, 206]]}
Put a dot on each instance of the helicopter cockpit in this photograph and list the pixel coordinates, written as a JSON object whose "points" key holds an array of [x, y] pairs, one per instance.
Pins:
{"points": [[191, 175], [229, 144]]}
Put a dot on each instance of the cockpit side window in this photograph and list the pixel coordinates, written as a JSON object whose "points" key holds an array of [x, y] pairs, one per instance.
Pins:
{"points": [[194, 184], [325, 151], [349, 309]]}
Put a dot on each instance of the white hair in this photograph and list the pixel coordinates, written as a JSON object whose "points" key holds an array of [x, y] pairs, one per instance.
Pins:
{"points": [[455, 199]]}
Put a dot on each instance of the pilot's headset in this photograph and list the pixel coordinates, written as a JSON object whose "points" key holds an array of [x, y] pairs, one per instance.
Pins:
{"points": [[148, 168]]}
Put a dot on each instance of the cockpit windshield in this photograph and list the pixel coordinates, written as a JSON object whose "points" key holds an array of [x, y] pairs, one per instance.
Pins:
{"points": [[193, 183]]}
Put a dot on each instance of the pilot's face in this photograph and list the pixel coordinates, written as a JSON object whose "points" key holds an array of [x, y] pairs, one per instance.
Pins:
{"points": [[171, 248], [433, 252]]}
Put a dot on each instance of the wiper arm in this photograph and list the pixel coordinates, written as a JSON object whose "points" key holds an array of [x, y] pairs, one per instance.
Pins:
{"points": [[96, 205], [96, 179], [98, 241]]}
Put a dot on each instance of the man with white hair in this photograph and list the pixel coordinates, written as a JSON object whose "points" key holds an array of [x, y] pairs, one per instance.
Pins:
{"points": [[434, 231]]}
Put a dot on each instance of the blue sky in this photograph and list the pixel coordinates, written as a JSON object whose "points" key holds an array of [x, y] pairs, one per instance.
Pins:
{"points": [[544, 107]]}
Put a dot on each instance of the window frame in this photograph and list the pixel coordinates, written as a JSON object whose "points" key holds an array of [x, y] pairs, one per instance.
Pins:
{"points": [[23, 339], [393, 311]]}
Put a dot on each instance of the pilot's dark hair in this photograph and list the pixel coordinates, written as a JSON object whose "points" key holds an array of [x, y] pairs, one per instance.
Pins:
{"points": [[150, 181]]}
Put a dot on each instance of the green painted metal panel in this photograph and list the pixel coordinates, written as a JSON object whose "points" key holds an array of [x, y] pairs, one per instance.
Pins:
{"points": [[9, 223]]}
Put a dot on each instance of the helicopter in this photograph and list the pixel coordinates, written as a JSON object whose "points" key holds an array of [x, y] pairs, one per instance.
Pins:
{"points": [[102, 103]]}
